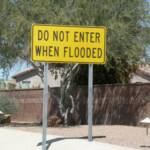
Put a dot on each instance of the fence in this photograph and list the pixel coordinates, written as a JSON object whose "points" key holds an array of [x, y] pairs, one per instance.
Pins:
{"points": [[113, 104], [30, 105]]}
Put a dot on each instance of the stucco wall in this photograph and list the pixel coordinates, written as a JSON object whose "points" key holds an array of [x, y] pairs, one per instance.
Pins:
{"points": [[36, 81]]}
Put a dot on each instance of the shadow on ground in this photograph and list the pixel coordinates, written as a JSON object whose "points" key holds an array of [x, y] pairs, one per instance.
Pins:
{"points": [[145, 146], [49, 142]]}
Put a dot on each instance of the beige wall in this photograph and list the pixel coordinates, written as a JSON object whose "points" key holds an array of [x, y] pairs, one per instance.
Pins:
{"points": [[36, 81], [138, 79]]}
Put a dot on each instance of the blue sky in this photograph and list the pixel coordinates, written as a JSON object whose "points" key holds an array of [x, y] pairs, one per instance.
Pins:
{"points": [[20, 66]]}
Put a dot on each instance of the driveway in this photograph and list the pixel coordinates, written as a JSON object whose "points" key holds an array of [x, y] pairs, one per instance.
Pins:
{"points": [[20, 140]]}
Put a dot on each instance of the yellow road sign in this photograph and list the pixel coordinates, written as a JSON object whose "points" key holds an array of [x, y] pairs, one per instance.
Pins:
{"points": [[68, 44]]}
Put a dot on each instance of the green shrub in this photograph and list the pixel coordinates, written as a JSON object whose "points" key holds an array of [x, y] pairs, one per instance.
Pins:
{"points": [[8, 104], [2, 84]]}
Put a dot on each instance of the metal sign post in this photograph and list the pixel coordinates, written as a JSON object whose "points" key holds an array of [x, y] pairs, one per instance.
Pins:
{"points": [[45, 106], [90, 101], [68, 44]]}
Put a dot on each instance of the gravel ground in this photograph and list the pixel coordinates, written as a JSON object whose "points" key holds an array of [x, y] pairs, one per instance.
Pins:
{"points": [[133, 137]]}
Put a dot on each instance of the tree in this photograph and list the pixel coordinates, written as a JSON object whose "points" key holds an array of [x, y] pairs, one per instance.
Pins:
{"points": [[125, 20], [127, 24]]}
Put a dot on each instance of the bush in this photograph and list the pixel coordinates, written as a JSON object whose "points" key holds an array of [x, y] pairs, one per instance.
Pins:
{"points": [[2, 84], [8, 104]]}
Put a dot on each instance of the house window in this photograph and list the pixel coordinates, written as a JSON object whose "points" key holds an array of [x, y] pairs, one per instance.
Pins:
{"points": [[25, 84]]}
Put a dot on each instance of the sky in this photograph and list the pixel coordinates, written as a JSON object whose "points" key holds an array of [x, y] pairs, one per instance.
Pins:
{"points": [[20, 66]]}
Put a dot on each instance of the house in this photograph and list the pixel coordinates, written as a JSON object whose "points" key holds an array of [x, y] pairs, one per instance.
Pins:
{"points": [[142, 75], [29, 78]]}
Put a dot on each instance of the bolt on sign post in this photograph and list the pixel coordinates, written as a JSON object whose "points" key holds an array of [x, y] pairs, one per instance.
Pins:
{"points": [[68, 44]]}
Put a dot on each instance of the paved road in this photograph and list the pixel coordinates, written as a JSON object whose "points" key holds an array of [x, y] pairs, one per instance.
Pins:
{"points": [[20, 140]]}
